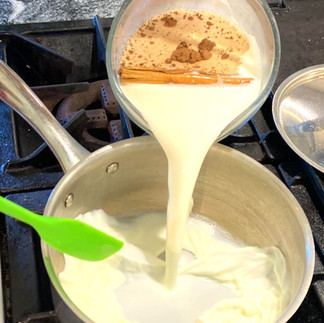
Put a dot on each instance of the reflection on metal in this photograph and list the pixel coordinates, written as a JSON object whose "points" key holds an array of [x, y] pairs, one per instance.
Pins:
{"points": [[299, 116]]}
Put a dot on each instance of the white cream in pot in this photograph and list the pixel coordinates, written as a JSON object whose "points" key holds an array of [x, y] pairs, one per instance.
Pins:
{"points": [[225, 282]]}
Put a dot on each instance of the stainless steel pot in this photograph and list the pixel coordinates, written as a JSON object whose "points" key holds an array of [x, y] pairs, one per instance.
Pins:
{"points": [[130, 177]]}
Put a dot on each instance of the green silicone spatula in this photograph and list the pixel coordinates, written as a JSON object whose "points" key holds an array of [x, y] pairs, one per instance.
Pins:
{"points": [[69, 236]]}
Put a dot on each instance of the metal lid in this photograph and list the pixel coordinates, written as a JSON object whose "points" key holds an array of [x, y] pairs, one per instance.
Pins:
{"points": [[298, 112]]}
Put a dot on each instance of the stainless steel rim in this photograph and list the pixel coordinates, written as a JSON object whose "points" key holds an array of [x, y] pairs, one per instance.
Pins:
{"points": [[285, 87]]}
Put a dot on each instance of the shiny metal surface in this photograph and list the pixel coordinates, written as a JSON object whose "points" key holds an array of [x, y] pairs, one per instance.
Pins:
{"points": [[254, 16], [298, 111], [233, 190], [16, 93]]}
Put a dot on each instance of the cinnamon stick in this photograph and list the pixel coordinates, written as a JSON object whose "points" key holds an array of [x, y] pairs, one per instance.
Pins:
{"points": [[164, 76]]}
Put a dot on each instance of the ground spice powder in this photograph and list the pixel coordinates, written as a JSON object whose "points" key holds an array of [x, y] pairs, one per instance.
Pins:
{"points": [[187, 39]]}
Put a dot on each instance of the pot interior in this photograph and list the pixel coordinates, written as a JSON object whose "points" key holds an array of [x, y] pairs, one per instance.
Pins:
{"points": [[233, 190]]}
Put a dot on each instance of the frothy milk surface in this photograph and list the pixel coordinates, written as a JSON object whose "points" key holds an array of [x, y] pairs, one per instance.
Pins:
{"points": [[219, 279], [215, 279]]}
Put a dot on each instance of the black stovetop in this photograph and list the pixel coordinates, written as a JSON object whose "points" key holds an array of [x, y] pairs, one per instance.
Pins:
{"points": [[28, 173]]}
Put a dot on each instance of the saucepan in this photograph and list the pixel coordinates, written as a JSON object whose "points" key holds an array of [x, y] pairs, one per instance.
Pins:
{"points": [[129, 178]]}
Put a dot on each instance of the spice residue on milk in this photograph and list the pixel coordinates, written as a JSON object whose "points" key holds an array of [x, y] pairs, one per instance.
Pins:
{"points": [[213, 45], [168, 63]]}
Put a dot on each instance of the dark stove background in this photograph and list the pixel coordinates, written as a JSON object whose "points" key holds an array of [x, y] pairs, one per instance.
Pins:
{"points": [[29, 173]]}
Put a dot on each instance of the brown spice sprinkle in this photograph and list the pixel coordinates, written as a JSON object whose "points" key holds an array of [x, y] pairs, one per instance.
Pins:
{"points": [[208, 43], [184, 54], [169, 21], [205, 54], [224, 56], [181, 54]]}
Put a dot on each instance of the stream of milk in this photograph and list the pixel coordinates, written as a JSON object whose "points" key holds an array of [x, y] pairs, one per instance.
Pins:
{"points": [[186, 120], [216, 279]]}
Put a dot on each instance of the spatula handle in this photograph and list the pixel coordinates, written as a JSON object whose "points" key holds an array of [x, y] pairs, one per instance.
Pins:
{"points": [[18, 212]]}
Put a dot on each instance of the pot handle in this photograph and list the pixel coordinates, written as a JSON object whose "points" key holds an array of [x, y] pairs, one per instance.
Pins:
{"points": [[17, 94]]}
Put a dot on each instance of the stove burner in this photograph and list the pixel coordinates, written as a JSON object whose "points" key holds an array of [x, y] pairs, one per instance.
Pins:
{"points": [[87, 104], [96, 132]]}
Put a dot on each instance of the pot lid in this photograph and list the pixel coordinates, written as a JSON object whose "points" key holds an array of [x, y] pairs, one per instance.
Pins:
{"points": [[298, 112]]}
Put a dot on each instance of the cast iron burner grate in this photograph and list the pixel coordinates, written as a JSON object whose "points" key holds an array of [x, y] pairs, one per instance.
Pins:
{"points": [[28, 179]]}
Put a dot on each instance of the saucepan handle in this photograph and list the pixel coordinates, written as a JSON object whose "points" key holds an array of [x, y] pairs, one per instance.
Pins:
{"points": [[16, 93]]}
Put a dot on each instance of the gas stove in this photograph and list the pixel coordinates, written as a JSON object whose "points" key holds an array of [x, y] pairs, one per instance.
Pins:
{"points": [[64, 63]]}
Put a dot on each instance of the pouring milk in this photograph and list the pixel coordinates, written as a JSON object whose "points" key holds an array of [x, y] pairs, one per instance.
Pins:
{"points": [[174, 112], [168, 72]]}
